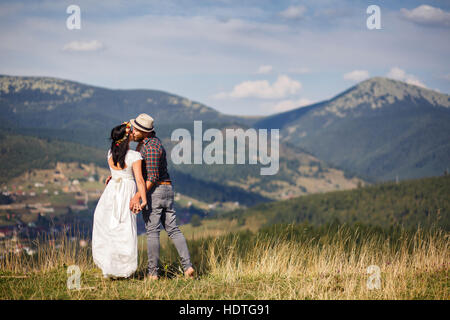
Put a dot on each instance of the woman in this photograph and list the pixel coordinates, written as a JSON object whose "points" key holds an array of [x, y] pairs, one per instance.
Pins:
{"points": [[114, 237]]}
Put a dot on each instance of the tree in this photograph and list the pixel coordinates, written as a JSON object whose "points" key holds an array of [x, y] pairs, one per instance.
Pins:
{"points": [[196, 221]]}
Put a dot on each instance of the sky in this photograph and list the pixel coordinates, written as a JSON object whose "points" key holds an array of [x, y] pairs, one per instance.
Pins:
{"points": [[239, 57]]}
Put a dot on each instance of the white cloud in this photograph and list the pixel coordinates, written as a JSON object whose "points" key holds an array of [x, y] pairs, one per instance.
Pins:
{"points": [[93, 45], [399, 74], [281, 88], [427, 15], [265, 69], [293, 12], [357, 75]]}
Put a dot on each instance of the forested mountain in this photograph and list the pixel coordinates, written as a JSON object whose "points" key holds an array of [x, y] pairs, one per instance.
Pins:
{"points": [[59, 110], [380, 128], [43, 102], [409, 203], [20, 153]]}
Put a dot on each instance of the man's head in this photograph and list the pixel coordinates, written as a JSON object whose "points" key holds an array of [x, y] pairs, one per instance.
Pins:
{"points": [[138, 135], [142, 127]]}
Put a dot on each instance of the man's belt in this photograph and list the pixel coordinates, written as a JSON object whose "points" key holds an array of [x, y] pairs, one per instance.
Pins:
{"points": [[164, 182]]}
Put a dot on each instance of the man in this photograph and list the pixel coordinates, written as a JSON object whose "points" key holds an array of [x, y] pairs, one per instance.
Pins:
{"points": [[160, 195]]}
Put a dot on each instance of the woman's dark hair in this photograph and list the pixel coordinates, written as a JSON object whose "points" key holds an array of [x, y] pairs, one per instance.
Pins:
{"points": [[119, 151]]}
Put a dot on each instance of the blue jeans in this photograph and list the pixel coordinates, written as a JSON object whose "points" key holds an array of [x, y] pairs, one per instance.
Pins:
{"points": [[161, 213]]}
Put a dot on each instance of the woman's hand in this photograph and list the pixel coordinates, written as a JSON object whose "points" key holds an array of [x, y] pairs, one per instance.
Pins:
{"points": [[136, 208], [134, 202]]}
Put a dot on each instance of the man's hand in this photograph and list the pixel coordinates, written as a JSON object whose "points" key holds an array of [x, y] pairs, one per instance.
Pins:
{"points": [[135, 205], [107, 180]]}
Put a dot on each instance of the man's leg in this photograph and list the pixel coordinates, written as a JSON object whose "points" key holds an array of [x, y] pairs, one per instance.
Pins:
{"points": [[152, 219], [174, 231]]}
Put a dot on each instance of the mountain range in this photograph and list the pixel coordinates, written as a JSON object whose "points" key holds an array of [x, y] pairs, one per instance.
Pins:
{"points": [[42, 102], [381, 128], [56, 111]]}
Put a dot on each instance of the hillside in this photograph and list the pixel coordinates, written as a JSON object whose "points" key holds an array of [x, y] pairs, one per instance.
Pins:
{"points": [[409, 203], [21, 154], [43, 102], [380, 128], [299, 172], [49, 109]]}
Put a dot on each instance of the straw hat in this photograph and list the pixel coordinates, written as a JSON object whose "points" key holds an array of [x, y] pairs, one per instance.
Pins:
{"points": [[143, 122]]}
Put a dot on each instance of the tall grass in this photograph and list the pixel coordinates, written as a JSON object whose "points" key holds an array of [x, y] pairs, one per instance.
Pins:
{"points": [[278, 262], [51, 252], [332, 263]]}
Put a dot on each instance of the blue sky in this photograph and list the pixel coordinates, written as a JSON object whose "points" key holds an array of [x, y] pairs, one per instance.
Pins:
{"points": [[239, 57]]}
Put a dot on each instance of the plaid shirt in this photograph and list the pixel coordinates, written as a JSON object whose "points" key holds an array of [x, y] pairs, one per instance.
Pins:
{"points": [[154, 155]]}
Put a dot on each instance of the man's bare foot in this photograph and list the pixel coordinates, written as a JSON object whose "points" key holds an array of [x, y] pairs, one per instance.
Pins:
{"points": [[151, 278], [189, 273]]}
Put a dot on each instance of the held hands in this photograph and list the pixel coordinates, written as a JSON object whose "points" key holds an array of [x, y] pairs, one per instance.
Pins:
{"points": [[139, 207], [136, 206]]}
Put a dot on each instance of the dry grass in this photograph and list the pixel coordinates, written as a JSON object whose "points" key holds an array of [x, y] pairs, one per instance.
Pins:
{"points": [[337, 269], [248, 266]]}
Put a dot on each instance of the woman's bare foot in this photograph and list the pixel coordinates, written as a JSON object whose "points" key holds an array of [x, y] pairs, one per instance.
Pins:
{"points": [[189, 273]]}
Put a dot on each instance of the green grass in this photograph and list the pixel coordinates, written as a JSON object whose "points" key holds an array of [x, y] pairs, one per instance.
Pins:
{"points": [[52, 285], [279, 262]]}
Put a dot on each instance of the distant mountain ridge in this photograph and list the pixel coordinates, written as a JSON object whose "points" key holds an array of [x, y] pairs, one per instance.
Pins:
{"points": [[57, 103], [54, 109], [379, 92], [380, 128]]}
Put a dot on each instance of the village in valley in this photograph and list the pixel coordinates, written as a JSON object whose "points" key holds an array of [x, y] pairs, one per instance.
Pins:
{"points": [[61, 200]]}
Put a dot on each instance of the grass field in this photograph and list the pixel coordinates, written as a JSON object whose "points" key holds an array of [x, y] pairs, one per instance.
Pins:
{"points": [[277, 262]]}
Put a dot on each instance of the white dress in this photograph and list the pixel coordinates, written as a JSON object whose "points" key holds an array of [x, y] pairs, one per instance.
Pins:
{"points": [[114, 237]]}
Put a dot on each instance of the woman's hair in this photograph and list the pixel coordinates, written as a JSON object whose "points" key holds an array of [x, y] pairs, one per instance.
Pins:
{"points": [[119, 148]]}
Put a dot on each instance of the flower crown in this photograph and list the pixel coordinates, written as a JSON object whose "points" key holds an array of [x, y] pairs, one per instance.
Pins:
{"points": [[127, 132]]}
